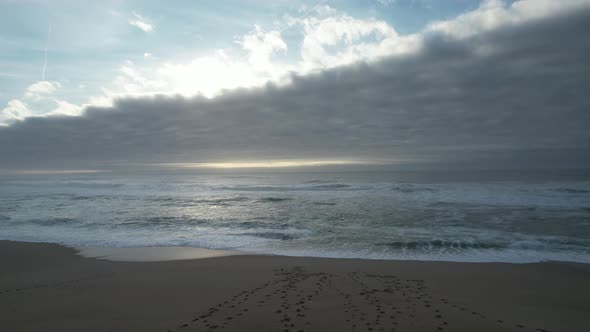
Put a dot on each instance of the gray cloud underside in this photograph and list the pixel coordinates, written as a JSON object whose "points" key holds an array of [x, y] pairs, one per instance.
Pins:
{"points": [[514, 96]]}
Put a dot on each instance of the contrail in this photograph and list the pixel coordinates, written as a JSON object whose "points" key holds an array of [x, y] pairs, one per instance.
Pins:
{"points": [[46, 49]]}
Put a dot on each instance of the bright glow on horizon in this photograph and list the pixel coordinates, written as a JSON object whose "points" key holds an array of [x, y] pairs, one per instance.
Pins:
{"points": [[269, 164]]}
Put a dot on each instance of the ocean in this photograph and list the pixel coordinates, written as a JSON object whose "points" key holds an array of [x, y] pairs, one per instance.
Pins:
{"points": [[476, 216]]}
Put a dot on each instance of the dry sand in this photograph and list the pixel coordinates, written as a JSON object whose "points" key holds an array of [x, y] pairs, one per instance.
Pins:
{"points": [[46, 287]]}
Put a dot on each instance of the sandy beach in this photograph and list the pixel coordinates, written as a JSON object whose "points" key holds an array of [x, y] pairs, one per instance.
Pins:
{"points": [[48, 287]]}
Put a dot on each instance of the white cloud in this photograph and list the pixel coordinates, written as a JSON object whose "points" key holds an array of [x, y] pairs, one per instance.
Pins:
{"points": [[133, 82], [37, 100], [493, 14], [140, 22], [15, 110], [339, 39], [65, 108], [261, 45], [141, 25], [207, 74], [42, 88]]}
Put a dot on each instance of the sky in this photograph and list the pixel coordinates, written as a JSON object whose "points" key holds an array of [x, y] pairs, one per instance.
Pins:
{"points": [[457, 83]]}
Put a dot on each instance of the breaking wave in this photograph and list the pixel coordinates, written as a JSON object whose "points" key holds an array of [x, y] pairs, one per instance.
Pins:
{"points": [[271, 235], [572, 190], [438, 244], [274, 199], [305, 187]]}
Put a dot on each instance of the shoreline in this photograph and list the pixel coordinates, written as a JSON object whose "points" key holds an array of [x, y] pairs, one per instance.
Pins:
{"points": [[151, 254], [174, 253], [50, 287]]}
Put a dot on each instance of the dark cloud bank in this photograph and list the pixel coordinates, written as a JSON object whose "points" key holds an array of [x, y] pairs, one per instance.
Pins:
{"points": [[514, 97]]}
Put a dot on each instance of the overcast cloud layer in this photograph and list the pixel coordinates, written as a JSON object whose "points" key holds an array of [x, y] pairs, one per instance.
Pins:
{"points": [[512, 95]]}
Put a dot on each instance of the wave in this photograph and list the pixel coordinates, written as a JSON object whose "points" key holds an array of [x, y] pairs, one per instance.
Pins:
{"points": [[411, 189], [567, 243], [183, 201], [83, 198], [315, 187], [91, 185], [273, 199], [175, 221], [536, 244], [572, 190], [9, 207], [165, 221], [271, 235], [440, 244], [222, 200], [54, 221], [332, 186]]}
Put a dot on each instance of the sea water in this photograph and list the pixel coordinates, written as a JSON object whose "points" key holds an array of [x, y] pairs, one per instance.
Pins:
{"points": [[476, 216]]}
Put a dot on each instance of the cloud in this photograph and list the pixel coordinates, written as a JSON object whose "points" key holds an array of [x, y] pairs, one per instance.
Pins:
{"points": [[521, 101], [140, 22], [65, 108], [321, 38], [328, 39], [358, 40], [261, 45], [42, 88], [493, 14], [208, 74], [14, 110], [38, 95]]}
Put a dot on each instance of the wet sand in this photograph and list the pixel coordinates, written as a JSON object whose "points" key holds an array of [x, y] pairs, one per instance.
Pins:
{"points": [[46, 287], [151, 254]]}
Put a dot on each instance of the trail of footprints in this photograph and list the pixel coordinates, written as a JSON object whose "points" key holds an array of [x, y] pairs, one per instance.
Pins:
{"points": [[365, 302]]}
